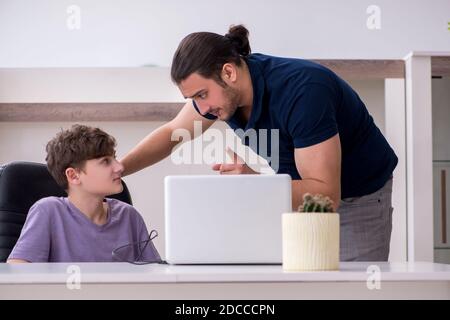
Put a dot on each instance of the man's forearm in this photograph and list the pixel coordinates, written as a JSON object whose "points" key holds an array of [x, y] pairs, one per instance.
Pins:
{"points": [[300, 187], [152, 149]]}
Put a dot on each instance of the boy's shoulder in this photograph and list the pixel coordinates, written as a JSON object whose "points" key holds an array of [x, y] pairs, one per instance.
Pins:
{"points": [[50, 202], [48, 207]]}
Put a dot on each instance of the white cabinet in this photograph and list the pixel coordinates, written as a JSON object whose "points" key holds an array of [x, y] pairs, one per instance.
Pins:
{"points": [[441, 169]]}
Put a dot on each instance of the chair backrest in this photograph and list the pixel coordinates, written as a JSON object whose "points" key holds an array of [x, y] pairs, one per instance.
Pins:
{"points": [[21, 185]]}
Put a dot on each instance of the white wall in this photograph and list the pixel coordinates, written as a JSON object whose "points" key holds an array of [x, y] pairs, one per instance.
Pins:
{"points": [[140, 32], [35, 85], [395, 133]]}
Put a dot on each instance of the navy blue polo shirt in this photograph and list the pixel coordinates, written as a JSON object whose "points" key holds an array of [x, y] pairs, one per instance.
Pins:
{"points": [[309, 104]]}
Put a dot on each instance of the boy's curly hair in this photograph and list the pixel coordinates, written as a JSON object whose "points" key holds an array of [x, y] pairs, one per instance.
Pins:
{"points": [[73, 147]]}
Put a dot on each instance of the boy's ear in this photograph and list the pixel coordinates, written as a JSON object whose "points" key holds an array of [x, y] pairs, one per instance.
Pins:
{"points": [[73, 176]]}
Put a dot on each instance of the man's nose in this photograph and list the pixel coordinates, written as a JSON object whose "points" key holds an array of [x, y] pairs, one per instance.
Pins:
{"points": [[204, 109]]}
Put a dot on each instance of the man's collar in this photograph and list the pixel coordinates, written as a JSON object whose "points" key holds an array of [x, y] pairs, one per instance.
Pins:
{"points": [[258, 85]]}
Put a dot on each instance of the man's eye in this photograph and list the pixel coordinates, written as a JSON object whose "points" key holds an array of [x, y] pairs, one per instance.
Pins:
{"points": [[202, 96]]}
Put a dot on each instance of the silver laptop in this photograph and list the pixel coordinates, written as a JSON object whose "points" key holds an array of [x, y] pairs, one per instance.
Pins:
{"points": [[233, 219]]}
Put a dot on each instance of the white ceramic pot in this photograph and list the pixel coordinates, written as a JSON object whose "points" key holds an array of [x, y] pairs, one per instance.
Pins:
{"points": [[310, 241]]}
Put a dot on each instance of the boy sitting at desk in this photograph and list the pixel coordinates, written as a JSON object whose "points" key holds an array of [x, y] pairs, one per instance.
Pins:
{"points": [[85, 226]]}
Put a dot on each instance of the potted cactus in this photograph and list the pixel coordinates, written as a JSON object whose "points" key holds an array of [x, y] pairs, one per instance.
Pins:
{"points": [[311, 236]]}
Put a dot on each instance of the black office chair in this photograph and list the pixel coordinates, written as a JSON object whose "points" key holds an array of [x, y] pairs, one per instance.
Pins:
{"points": [[21, 185]]}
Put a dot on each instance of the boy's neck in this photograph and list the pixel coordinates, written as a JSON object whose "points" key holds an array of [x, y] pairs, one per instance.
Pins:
{"points": [[91, 206]]}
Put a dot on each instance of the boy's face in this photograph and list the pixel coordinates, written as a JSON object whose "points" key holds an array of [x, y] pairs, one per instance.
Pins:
{"points": [[101, 176]]}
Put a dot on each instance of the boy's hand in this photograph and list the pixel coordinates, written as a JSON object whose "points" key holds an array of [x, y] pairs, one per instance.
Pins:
{"points": [[237, 167]]}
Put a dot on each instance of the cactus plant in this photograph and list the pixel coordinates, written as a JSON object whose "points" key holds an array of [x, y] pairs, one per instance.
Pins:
{"points": [[316, 203]]}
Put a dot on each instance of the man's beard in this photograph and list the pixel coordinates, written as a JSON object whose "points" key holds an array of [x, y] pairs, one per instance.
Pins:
{"points": [[232, 97]]}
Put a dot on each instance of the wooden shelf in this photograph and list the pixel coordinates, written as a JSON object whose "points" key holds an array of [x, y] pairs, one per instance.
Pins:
{"points": [[440, 66], [32, 112], [366, 69]]}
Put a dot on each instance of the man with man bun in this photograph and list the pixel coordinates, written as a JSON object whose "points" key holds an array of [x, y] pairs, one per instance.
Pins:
{"points": [[328, 141]]}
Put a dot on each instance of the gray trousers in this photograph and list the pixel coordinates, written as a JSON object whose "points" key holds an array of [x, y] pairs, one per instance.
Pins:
{"points": [[366, 225]]}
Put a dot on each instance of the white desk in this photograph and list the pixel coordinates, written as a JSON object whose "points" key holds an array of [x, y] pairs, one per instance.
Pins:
{"points": [[124, 281]]}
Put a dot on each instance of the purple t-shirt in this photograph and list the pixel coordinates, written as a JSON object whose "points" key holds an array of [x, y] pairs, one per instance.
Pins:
{"points": [[57, 231]]}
